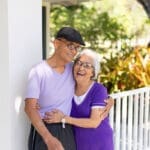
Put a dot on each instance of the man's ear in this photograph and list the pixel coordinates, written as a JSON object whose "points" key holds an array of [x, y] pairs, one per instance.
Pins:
{"points": [[56, 43]]}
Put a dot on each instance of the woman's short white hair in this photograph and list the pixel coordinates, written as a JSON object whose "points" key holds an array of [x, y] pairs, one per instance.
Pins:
{"points": [[95, 57]]}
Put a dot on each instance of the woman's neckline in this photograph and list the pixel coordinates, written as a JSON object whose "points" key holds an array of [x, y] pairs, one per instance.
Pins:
{"points": [[84, 91]]}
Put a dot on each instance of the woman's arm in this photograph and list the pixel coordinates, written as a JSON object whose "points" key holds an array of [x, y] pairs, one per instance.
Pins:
{"points": [[109, 104], [92, 122], [97, 115]]}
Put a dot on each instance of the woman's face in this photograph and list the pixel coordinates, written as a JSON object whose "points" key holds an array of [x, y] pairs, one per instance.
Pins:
{"points": [[83, 69]]}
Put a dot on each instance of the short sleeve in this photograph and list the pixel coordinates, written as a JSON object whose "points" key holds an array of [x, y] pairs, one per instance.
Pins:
{"points": [[33, 86], [99, 95]]}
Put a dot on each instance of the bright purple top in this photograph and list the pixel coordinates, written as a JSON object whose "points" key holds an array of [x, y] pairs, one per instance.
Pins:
{"points": [[52, 89], [100, 138]]}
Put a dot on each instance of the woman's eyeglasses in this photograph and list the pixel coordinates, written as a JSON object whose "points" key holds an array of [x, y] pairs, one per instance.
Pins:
{"points": [[86, 65]]}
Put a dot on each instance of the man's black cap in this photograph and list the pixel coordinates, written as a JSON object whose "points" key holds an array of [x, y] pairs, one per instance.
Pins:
{"points": [[70, 34]]}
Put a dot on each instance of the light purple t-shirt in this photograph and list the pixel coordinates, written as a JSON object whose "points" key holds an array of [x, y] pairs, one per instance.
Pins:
{"points": [[52, 89]]}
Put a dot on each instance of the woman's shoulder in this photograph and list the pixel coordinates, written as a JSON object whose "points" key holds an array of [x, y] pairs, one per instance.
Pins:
{"points": [[98, 92], [99, 86]]}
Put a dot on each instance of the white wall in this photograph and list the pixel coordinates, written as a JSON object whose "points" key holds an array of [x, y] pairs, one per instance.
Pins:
{"points": [[20, 48], [4, 79]]}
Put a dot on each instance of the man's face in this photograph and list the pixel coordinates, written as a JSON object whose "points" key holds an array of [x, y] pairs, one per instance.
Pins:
{"points": [[67, 49]]}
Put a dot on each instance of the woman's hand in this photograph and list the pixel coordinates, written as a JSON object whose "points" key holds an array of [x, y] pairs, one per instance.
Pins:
{"points": [[54, 116], [109, 103]]}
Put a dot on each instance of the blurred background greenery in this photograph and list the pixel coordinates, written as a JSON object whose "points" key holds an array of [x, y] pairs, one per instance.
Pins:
{"points": [[119, 31]]}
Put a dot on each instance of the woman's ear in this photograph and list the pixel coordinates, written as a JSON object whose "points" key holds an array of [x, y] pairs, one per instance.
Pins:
{"points": [[93, 76]]}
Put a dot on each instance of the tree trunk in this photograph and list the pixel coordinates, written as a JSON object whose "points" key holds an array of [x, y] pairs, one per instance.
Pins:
{"points": [[146, 6]]}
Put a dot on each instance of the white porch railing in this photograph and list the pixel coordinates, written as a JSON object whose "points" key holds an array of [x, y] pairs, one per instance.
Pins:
{"points": [[130, 119]]}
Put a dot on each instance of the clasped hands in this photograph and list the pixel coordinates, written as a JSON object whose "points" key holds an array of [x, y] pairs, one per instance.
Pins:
{"points": [[54, 116]]}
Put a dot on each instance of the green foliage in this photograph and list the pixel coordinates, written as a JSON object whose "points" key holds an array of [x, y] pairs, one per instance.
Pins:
{"points": [[121, 70], [94, 26]]}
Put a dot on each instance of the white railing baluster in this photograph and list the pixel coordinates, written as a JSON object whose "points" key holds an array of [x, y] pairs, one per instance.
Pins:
{"points": [[111, 117], [130, 122], [148, 147], [141, 115], [146, 123], [135, 120], [117, 128], [124, 123]]}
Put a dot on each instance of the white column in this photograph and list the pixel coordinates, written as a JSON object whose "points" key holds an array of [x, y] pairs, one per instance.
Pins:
{"points": [[20, 48], [5, 123]]}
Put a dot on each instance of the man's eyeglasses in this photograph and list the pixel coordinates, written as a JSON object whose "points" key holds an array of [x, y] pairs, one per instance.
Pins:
{"points": [[71, 46], [86, 65]]}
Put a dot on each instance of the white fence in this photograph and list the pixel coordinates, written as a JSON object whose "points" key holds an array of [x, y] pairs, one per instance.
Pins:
{"points": [[130, 119]]}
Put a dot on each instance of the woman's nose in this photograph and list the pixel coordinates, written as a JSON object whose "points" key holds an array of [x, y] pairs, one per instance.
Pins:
{"points": [[81, 67]]}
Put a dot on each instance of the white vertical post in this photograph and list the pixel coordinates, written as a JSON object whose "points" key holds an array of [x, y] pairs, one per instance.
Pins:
{"points": [[146, 125], [141, 114], [5, 104], [111, 117], [135, 125], [130, 122], [20, 49], [117, 127], [124, 122]]}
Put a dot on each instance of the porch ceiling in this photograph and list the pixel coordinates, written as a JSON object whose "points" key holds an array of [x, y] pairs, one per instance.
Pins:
{"points": [[67, 2]]}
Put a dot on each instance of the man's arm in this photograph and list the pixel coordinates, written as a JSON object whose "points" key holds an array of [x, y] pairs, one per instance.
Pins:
{"points": [[33, 114]]}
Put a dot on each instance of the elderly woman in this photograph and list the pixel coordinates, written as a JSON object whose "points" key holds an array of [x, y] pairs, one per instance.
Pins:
{"points": [[92, 131]]}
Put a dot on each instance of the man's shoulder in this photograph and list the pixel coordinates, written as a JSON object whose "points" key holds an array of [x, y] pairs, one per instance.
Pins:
{"points": [[70, 64], [37, 68], [38, 65]]}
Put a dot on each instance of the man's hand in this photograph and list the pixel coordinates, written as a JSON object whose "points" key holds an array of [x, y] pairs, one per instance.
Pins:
{"points": [[53, 144], [110, 103], [54, 116]]}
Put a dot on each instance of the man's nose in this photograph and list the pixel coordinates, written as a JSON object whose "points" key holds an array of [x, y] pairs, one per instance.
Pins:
{"points": [[74, 51]]}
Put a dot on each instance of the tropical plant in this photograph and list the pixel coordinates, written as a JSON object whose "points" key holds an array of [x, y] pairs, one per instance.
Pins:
{"points": [[128, 72]]}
